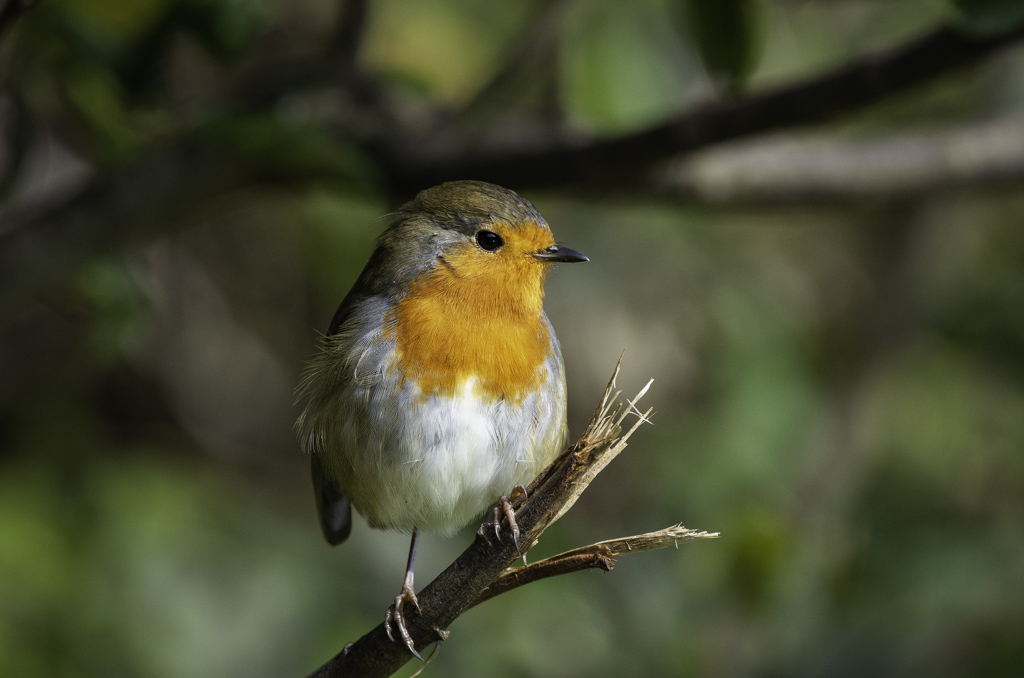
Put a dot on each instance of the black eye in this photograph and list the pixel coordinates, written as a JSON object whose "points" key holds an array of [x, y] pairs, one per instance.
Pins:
{"points": [[489, 240]]}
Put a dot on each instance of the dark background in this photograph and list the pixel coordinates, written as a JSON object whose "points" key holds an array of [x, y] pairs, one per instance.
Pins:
{"points": [[833, 315]]}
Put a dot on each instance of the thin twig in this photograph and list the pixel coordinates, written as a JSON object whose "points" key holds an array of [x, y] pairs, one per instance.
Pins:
{"points": [[601, 555], [456, 589]]}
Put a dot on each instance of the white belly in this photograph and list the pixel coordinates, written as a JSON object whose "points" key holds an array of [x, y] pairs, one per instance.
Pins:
{"points": [[447, 458], [431, 463]]}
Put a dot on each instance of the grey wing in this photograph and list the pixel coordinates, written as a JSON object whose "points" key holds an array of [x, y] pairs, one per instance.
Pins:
{"points": [[334, 508]]}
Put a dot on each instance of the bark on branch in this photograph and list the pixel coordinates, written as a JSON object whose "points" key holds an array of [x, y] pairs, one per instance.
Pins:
{"points": [[481, 572]]}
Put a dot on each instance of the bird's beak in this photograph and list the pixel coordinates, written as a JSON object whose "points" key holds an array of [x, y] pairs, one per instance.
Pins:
{"points": [[557, 253]]}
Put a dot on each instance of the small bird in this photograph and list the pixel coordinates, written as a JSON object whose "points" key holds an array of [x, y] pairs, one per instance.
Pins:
{"points": [[439, 386]]}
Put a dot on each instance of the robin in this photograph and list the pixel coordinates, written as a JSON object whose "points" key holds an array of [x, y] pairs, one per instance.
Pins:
{"points": [[439, 386]]}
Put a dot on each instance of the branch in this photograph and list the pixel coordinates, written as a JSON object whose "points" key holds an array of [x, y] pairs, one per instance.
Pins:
{"points": [[461, 585], [601, 555], [787, 169], [623, 161], [412, 163]]}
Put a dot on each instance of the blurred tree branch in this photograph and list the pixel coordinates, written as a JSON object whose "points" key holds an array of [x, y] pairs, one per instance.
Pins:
{"points": [[624, 161], [787, 169], [481, 571], [399, 143], [408, 159]]}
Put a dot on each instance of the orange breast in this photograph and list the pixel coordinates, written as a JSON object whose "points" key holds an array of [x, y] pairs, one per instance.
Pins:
{"points": [[478, 314]]}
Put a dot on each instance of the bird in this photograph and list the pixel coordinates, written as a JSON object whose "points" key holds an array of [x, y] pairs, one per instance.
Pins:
{"points": [[439, 386]]}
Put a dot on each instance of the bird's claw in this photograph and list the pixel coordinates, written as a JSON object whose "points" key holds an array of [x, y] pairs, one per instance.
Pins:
{"points": [[509, 514], [396, 614]]}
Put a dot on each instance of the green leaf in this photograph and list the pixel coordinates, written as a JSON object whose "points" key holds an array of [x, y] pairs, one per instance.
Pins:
{"points": [[728, 34], [115, 23], [226, 27], [99, 98], [622, 67], [988, 17]]}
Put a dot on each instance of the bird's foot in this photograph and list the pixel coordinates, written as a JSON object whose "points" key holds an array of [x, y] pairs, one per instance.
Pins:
{"points": [[509, 514], [396, 614]]}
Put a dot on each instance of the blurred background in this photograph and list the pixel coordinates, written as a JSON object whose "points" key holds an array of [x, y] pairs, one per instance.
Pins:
{"points": [[833, 315]]}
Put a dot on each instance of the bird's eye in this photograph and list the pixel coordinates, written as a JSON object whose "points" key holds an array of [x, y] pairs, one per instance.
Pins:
{"points": [[489, 240]]}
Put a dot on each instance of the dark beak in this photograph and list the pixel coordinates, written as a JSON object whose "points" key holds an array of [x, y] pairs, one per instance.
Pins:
{"points": [[557, 253]]}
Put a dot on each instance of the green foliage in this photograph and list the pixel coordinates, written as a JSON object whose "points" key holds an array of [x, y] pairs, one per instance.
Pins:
{"points": [[759, 547], [987, 17], [108, 27], [465, 41], [729, 35], [118, 309], [226, 27], [838, 388], [622, 67]]}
